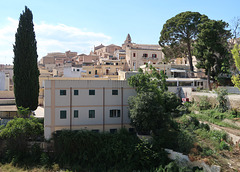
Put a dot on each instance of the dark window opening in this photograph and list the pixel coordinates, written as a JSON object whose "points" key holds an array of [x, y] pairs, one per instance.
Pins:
{"points": [[75, 92], [114, 92], [63, 92], [91, 92], [63, 114]]}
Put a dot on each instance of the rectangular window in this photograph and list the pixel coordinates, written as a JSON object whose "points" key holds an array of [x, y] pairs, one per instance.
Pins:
{"points": [[114, 92], [145, 55], [63, 92], [113, 131], [78, 70], [89, 72], [154, 55], [91, 92], [75, 92], [114, 113], [75, 113], [63, 114], [134, 54], [91, 113]]}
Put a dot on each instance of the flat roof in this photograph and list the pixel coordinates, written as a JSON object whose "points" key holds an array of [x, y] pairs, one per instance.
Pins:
{"points": [[178, 70], [185, 79], [8, 108]]}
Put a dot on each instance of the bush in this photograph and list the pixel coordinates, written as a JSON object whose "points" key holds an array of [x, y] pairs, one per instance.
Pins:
{"points": [[44, 159], [222, 100], [122, 151], [17, 133], [223, 146], [189, 122], [204, 126], [184, 108], [204, 103], [207, 151], [218, 135], [185, 141]]}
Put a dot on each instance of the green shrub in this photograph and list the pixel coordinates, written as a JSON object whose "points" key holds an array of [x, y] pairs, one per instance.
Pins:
{"points": [[218, 135], [234, 113], [185, 141], [174, 167], [204, 126], [17, 133], [87, 151], [44, 159], [222, 100], [204, 103], [165, 138], [223, 146], [207, 151], [189, 122], [184, 108]]}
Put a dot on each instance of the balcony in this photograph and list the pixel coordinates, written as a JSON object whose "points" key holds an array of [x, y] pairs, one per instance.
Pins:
{"points": [[150, 58]]}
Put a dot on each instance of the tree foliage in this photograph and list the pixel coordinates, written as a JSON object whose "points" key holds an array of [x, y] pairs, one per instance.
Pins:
{"points": [[236, 56], [173, 52], [222, 100], [16, 134], [179, 32], [211, 48], [151, 108], [28, 129], [149, 81], [26, 73], [87, 151]]}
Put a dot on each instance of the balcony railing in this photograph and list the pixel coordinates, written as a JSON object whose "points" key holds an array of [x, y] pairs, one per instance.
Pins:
{"points": [[150, 58]]}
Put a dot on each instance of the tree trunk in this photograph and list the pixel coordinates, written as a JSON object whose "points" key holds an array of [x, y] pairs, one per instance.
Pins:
{"points": [[190, 57], [208, 80]]}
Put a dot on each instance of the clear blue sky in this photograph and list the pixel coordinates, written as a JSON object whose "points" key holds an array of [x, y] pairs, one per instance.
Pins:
{"points": [[75, 25]]}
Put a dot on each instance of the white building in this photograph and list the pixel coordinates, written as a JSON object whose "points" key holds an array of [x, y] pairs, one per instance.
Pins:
{"points": [[97, 105], [4, 81], [72, 72]]}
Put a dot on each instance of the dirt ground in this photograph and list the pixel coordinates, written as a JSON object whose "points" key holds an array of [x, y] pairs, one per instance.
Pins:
{"points": [[228, 160]]}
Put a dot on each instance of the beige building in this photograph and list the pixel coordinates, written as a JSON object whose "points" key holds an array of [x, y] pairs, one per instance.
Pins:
{"points": [[8, 109], [108, 68], [80, 59], [140, 54], [97, 105], [106, 52], [57, 58]]}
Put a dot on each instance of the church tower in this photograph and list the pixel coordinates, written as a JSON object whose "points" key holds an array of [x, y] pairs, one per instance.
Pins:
{"points": [[127, 42]]}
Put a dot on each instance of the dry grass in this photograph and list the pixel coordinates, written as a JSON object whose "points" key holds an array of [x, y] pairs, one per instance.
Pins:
{"points": [[11, 168]]}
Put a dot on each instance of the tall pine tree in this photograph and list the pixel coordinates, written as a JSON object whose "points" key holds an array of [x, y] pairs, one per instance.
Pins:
{"points": [[26, 73]]}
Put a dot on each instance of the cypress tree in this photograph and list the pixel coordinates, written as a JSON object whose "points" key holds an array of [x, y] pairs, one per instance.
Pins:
{"points": [[26, 73]]}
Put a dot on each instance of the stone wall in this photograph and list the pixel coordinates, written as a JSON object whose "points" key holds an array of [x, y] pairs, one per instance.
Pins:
{"points": [[233, 101], [184, 161], [232, 90]]}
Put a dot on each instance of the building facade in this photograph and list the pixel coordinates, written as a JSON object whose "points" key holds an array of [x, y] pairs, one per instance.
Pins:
{"points": [[97, 105], [106, 52], [140, 54], [4, 81]]}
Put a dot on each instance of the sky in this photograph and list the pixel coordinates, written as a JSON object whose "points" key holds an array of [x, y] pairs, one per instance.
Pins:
{"points": [[79, 25]]}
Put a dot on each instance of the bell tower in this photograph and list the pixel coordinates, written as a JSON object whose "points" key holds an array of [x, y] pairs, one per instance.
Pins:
{"points": [[127, 42]]}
